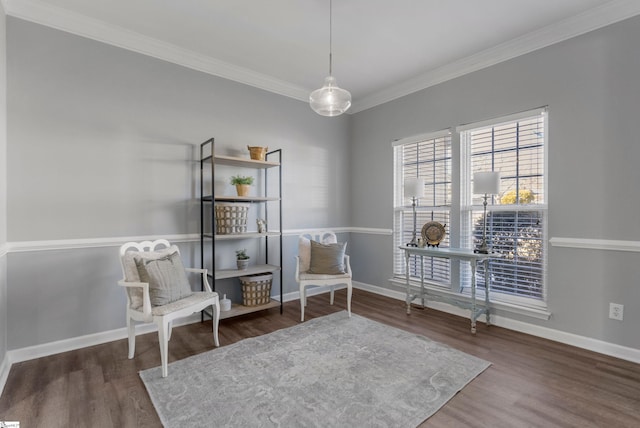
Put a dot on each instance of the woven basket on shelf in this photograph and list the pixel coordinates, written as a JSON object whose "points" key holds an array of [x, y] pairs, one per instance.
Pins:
{"points": [[231, 218], [256, 289]]}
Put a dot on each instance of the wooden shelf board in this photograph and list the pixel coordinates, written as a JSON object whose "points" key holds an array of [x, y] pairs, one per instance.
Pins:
{"points": [[224, 198], [237, 309], [248, 235], [243, 162], [251, 270]]}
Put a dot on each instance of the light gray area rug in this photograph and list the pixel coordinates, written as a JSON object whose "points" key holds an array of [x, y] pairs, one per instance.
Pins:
{"points": [[332, 371]]}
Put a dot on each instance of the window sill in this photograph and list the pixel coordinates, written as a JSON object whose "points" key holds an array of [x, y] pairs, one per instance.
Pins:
{"points": [[538, 312]]}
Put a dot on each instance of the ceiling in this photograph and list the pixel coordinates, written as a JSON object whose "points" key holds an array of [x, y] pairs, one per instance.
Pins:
{"points": [[382, 49]]}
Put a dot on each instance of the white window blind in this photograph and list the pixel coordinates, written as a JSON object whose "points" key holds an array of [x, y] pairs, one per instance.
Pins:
{"points": [[427, 157], [516, 217]]}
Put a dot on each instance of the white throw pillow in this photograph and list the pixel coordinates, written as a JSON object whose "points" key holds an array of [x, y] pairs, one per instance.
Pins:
{"points": [[166, 277], [131, 271]]}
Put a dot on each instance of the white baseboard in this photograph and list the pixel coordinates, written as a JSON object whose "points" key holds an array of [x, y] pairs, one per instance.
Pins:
{"points": [[38, 351], [606, 348], [5, 366], [51, 348]]}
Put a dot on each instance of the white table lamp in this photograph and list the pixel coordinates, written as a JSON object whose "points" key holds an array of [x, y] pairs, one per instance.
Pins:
{"points": [[414, 189], [487, 183]]}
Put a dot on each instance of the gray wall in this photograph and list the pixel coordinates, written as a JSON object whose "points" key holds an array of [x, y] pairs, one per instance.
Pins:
{"points": [[103, 143], [3, 185], [591, 86]]}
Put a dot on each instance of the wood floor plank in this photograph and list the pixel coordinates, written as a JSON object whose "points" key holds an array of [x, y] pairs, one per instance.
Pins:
{"points": [[532, 382]]}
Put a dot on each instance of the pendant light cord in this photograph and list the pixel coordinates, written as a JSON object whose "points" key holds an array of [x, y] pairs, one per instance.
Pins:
{"points": [[330, 34]]}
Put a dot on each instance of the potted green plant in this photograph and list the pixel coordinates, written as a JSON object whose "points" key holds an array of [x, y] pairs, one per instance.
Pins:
{"points": [[242, 259], [242, 184]]}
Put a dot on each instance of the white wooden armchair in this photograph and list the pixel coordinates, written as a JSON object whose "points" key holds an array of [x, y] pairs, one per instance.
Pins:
{"points": [[158, 291], [321, 261]]}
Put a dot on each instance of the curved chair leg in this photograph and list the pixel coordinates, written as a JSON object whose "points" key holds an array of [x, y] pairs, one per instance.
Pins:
{"points": [[349, 292], [331, 294], [170, 331], [216, 321], [131, 330], [163, 332]]}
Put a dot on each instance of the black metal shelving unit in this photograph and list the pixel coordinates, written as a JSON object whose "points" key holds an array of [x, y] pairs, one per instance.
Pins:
{"points": [[208, 236]]}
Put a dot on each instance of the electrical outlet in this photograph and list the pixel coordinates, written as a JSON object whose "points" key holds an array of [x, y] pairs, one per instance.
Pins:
{"points": [[616, 311]]}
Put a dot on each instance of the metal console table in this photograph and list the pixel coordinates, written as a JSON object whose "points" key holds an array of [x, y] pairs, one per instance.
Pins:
{"points": [[450, 253]]}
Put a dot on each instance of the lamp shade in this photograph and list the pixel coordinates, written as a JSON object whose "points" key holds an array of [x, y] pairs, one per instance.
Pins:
{"points": [[487, 183], [330, 100], [413, 187]]}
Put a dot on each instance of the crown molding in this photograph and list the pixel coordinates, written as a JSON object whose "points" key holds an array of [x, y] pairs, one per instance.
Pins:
{"points": [[61, 19], [590, 20]]}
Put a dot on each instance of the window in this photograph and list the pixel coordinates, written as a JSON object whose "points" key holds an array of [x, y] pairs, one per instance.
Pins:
{"points": [[515, 146], [516, 217], [427, 157]]}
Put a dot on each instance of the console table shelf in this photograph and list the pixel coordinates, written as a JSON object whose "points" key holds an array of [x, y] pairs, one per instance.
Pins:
{"points": [[450, 253]]}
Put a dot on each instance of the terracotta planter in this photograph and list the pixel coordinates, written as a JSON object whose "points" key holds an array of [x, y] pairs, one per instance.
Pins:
{"points": [[242, 189]]}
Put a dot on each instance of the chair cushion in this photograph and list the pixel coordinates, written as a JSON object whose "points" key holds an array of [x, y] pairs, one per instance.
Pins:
{"points": [[317, 277], [193, 299], [327, 259], [304, 248], [166, 277], [131, 271]]}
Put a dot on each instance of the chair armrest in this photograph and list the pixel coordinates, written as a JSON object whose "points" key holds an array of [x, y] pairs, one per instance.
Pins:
{"points": [[205, 280], [146, 300], [347, 264], [297, 277]]}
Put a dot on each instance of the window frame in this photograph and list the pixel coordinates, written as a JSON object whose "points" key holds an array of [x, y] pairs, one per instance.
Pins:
{"points": [[460, 235], [400, 208]]}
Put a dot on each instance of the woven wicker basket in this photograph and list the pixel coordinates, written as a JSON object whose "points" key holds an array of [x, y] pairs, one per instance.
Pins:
{"points": [[231, 218], [256, 289]]}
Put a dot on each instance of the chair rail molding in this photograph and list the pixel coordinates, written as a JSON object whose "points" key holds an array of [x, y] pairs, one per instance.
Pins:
{"points": [[595, 244], [348, 229], [70, 244], [67, 244]]}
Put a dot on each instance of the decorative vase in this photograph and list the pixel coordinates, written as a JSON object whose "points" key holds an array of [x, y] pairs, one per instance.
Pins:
{"points": [[242, 189], [243, 264]]}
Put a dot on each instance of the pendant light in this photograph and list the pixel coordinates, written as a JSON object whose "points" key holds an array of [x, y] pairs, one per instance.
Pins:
{"points": [[330, 100]]}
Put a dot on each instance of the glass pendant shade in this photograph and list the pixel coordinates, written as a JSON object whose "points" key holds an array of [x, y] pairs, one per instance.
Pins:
{"points": [[330, 100]]}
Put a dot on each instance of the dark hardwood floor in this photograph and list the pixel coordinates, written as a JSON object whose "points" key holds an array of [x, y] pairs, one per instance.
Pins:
{"points": [[532, 382]]}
